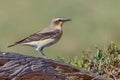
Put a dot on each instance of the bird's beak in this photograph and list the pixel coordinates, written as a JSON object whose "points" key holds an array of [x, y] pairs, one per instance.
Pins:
{"points": [[65, 20]]}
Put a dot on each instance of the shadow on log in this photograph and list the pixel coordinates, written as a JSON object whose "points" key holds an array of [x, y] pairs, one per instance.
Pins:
{"points": [[21, 67]]}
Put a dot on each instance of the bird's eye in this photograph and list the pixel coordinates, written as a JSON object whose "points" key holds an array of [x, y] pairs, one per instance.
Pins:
{"points": [[59, 20]]}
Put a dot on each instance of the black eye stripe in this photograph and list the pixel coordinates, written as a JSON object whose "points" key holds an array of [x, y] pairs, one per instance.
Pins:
{"points": [[59, 20]]}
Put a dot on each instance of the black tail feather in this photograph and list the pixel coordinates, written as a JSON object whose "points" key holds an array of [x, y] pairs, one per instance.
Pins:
{"points": [[11, 45]]}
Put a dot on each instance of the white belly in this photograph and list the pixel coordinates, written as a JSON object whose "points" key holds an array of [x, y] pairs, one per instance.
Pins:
{"points": [[41, 43]]}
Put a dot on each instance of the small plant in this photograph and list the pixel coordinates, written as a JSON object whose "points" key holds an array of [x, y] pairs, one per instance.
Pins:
{"points": [[105, 62]]}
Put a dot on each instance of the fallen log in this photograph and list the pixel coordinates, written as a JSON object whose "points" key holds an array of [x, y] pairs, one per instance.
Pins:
{"points": [[21, 67]]}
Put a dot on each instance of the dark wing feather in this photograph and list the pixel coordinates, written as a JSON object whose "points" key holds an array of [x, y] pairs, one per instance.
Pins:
{"points": [[38, 36]]}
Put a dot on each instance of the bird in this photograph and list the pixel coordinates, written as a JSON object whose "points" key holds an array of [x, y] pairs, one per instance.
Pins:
{"points": [[44, 38]]}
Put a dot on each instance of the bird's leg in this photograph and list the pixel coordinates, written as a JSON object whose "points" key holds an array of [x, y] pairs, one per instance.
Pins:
{"points": [[40, 50]]}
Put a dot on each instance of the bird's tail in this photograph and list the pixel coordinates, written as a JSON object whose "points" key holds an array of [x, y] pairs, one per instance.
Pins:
{"points": [[11, 45]]}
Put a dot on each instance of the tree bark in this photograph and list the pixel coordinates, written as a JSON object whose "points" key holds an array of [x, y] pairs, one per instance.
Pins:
{"points": [[21, 67]]}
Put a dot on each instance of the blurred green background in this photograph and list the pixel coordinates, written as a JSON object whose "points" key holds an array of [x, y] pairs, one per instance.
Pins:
{"points": [[94, 22]]}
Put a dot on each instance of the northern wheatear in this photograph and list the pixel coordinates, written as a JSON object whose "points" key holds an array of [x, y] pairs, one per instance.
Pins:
{"points": [[44, 38]]}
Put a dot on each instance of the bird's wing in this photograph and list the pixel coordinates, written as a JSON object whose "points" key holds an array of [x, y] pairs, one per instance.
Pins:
{"points": [[38, 36]]}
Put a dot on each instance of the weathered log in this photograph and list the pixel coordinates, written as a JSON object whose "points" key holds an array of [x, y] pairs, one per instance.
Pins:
{"points": [[21, 67]]}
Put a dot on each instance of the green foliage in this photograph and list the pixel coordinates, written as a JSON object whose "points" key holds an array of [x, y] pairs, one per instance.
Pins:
{"points": [[105, 62]]}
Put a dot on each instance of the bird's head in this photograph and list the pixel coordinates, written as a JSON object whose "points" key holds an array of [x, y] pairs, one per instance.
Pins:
{"points": [[58, 22]]}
